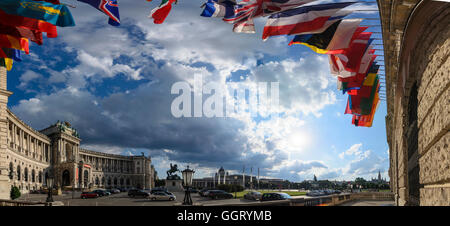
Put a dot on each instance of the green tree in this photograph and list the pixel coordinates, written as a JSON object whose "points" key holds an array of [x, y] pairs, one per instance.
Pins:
{"points": [[15, 193]]}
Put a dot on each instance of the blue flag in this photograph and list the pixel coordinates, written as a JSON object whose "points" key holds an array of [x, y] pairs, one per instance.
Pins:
{"points": [[109, 7]]}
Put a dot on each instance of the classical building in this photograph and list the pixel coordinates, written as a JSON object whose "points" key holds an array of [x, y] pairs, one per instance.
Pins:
{"points": [[28, 157], [416, 36]]}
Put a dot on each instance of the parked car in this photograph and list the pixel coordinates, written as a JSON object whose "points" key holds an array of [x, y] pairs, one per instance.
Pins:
{"points": [[161, 195], [215, 194], [275, 196], [253, 195], [101, 192], [337, 192], [204, 192], [159, 189], [136, 192], [91, 194], [114, 190]]}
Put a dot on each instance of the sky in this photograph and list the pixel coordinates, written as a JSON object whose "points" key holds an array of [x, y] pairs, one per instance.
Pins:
{"points": [[113, 84]]}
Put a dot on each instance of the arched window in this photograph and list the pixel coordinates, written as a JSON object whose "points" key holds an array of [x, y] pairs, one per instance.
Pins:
{"points": [[103, 181], [40, 176], [115, 180], [97, 181], [128, 181], [109, 180], [121, 181], [19, 174], [25, 176], [33, 176], [11, 171]]}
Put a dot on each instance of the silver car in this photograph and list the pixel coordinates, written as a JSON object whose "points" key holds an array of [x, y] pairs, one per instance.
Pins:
{"points": [[162, 196]]}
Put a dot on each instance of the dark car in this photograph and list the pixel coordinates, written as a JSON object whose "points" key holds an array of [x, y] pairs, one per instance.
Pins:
{"points": [[203, 192], [216, 194], [253, 195], [85, 195], [101, 193], [136, 192], [193, 190], [275, 196]]}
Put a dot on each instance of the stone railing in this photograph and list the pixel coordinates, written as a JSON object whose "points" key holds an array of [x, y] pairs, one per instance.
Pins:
{"points": [[330, 200], [5, 202]]}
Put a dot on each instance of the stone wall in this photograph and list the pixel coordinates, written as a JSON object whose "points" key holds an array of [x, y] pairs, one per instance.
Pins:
{"points": [[416, 36]]}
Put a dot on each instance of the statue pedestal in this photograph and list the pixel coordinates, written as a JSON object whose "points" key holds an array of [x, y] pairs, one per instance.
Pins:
{"points": [[174, 185]]}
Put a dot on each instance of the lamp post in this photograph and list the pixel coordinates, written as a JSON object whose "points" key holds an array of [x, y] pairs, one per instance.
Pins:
{"points": [[50, 188], [235, 188], [187, 180]]}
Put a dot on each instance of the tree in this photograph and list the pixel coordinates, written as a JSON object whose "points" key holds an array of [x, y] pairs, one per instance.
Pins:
{"points": [[15, 193]]}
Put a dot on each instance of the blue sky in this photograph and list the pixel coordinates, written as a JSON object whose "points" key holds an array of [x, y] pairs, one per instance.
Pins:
{"points": [[113, 85]]}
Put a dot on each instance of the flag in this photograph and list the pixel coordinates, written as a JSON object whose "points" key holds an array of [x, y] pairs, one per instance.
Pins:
{"points": [[29, 23], [336, 38], [108, 7], [274, 6], [215, 9], [244, 27], [160, 13], [351, 57], [32, 35], [302, 19], [13, 54], [58, 15], [8, 41], [339, 15], [7, 63], [245, 10]]}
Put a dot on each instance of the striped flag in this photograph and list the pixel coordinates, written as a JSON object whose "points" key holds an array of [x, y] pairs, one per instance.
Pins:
{"points": [[274, 6], [244, 27], [300, 20], [333, 40]]}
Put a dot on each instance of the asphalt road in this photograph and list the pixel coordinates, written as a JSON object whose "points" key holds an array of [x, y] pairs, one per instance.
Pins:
{"points": [[122, 199]]}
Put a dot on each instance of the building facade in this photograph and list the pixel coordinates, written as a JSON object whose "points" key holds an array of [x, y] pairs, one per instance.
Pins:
{"points": [[28, 157], [416, 37]]}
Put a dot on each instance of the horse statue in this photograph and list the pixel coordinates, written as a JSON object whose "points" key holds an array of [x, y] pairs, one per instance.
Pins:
{"points": [[172, 171]]}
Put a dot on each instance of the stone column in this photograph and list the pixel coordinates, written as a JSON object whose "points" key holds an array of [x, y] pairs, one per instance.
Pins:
{"points": [[4, 94]]}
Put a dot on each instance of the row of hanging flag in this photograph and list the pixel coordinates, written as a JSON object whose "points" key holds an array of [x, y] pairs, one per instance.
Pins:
{"points": [[322, 28]]}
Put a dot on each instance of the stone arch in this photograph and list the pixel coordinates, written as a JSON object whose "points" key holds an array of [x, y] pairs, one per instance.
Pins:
{"points": [[65, 178]]}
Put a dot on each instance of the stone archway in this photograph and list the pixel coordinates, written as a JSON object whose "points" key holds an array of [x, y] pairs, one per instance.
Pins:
{"points": [[65, 178]]}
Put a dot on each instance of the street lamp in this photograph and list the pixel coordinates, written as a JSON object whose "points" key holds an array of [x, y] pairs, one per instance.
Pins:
{"points": [[50, 188], [187, 180]]}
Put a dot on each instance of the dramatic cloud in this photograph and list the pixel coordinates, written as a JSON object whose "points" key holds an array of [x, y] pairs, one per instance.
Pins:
{"points": [[113, 84]]}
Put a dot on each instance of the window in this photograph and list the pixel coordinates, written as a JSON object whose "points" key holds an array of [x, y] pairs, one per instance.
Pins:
{"points": [[11, 171]]}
